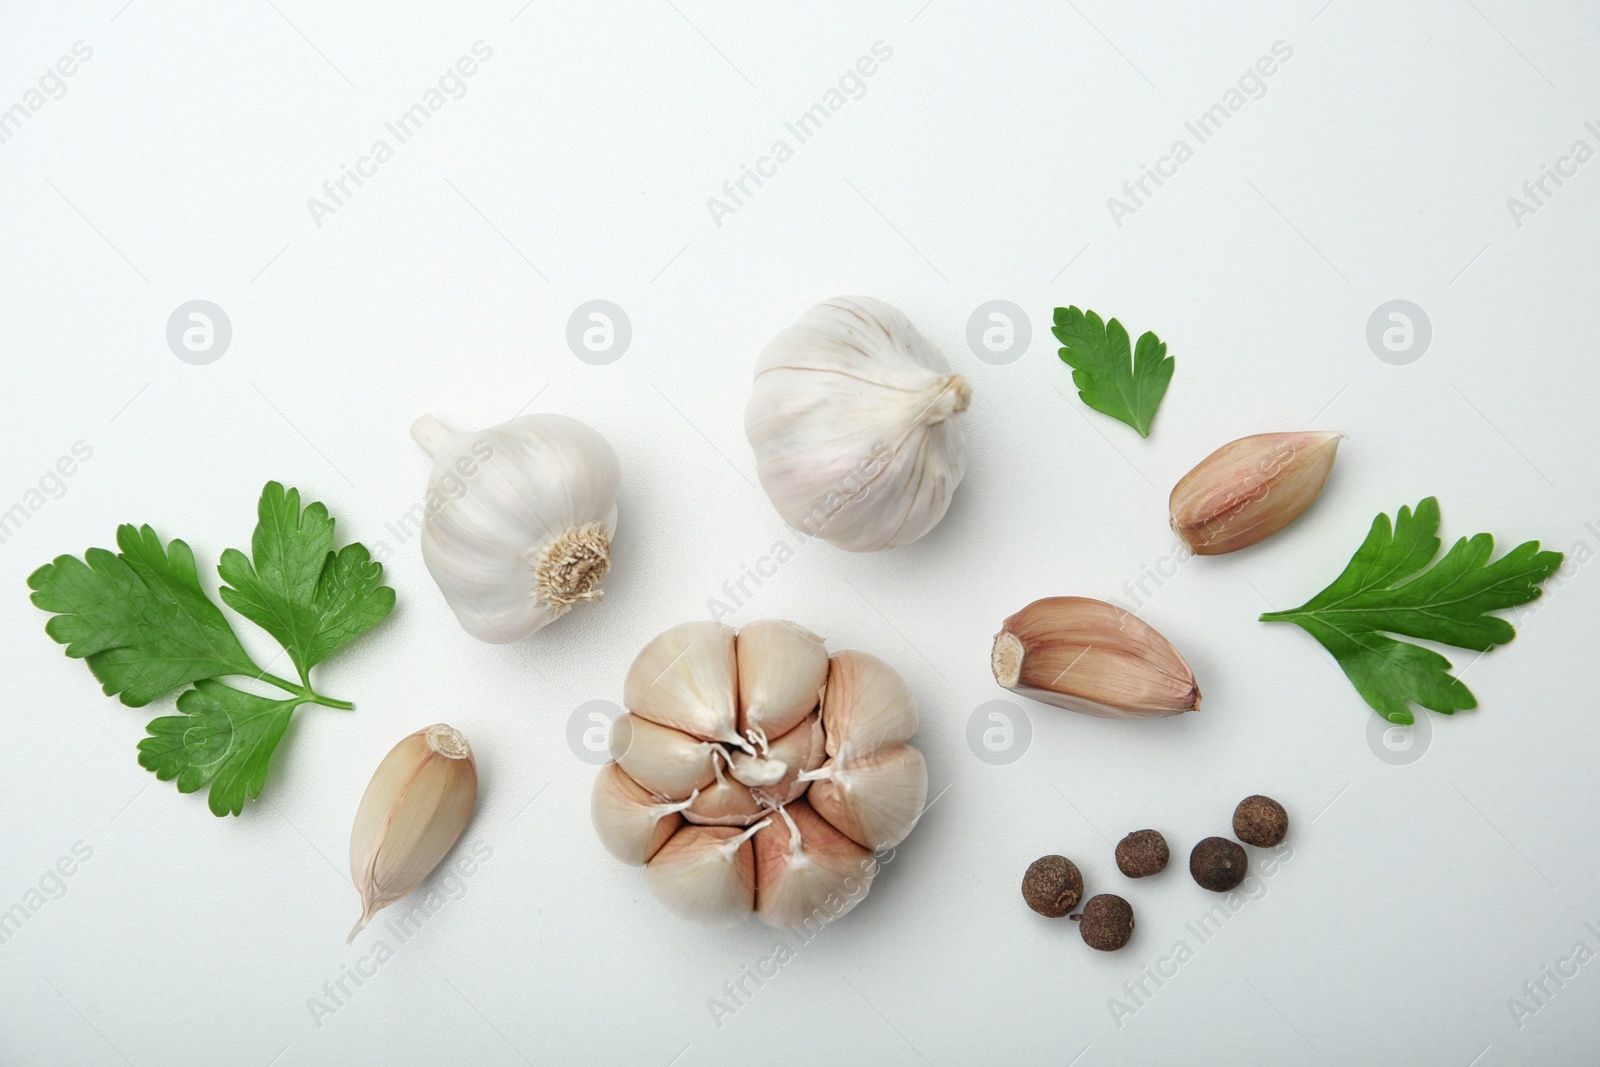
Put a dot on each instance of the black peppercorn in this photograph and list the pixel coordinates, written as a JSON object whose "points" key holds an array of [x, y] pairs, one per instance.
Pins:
{"points": [[1052, 886], [1142, 853], [1106, 922], [1260, 821], [1218, 864]]}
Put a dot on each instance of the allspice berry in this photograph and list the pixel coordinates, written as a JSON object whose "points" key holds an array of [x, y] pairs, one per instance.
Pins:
{"points": [[1106, 922], [1218, 864], [1260, 821], [1142, 853], [1052, 886]]}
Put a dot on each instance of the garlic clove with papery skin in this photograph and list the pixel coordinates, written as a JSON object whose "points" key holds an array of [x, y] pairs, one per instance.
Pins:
{"points": [[874, 799], [801, 749], [1249, 489], [707, 874], [413, 810], [866, 705], [518, 520], [685, 678], [667, 762], [807, 870], [725, 802], [782, 669], [631, 824], [1088, 656], [853, 422]]}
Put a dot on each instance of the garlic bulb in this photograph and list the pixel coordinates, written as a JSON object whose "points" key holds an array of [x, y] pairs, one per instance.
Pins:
{"points": [[518, 521], [1086, 655], [853, 423], [418, 802], [839, 779]]}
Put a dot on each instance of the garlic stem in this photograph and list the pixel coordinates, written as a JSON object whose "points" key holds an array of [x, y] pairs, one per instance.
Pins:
{"points": [[824, 771], [434, 436]]}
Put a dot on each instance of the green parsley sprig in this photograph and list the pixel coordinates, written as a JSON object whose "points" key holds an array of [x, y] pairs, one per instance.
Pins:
{"points": [[141, 621], [1127, 386]]}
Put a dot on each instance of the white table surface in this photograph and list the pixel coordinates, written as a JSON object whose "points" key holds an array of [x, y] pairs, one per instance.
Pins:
{"points": [[1376, 164]]}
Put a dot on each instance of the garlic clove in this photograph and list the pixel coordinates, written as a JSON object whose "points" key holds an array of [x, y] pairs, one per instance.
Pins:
{"points": [[518, 520], [1088, 656], [801, 749], [782, 668], [707, 874], [866, 705], [631, 823], [415, 807], [725, 802], [874, 799], [807, 870], [1249, 489], [686, 678], [853, 422], [667, 762]]}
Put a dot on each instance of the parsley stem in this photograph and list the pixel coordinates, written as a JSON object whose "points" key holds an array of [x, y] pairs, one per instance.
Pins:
{"points": [[310, 695]]}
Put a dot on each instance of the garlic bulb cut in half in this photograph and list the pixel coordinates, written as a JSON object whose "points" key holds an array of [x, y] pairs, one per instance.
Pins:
{"points": [[1251, 488], [866, 706], [853, 423], [685, 678], [782, 668], [1089, 656], [518, 520], [416, 806], [874, 799], [805, 868], [666, 762], [632, 824], [707, 874], [754, 818]]}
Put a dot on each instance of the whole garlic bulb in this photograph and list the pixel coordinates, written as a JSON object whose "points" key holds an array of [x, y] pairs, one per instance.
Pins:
{"points": [[783, 820], [518, 520], [853, 423]]}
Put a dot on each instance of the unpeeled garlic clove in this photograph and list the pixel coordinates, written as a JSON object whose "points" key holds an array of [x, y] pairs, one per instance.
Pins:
{"points": [[725, 802], [665, 761], [685, 678], [632, 824], [801, 749], [782, 669], [415, 807], [1089, 656], [1251, 488], [807, 869], [874, 799], [866, 705], [707, 874]]}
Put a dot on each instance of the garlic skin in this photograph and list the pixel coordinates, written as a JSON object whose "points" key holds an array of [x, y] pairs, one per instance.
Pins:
{"points": [[707, 874], [1088, 656], [853, 423], [518, 520], [1249, 489], [781, 824], [632, 824], [415, 807]]}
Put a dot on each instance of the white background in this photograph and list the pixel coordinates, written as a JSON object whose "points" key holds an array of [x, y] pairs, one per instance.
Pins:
{"points": [[1420, 897]]}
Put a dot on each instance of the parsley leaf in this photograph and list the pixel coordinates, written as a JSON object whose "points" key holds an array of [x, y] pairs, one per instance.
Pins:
{"points": [[1109, 379], [296, 587], [1385, 589], [144, 625], [225, 737], [138, 617]]}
